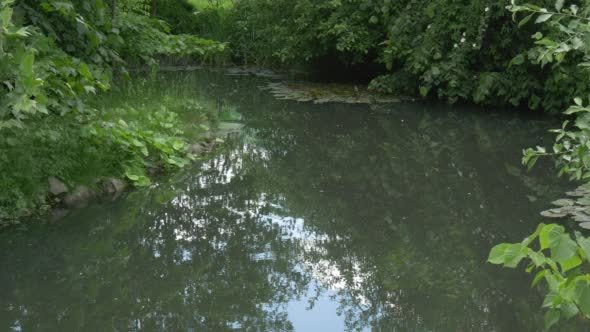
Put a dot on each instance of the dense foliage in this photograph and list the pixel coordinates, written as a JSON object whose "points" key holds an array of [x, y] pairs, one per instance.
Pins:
{"points": [[565, 271], [54, 57], [452, 50], [568, 39]]}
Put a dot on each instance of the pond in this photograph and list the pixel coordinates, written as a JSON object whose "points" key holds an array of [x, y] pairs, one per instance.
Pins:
{"points": [[314, 217]]}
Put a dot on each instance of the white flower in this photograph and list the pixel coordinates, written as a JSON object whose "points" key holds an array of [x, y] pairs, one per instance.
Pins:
{"points": [[462, 40], [463, 34], [474, 45], [487, 9], [455, 46], [428, 27]]}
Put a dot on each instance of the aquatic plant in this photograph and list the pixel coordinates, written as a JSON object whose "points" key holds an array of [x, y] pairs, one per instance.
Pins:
{"points": [[326, 93], [564, 270]]}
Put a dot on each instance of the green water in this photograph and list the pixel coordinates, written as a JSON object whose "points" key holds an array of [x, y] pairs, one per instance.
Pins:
{"points": [[312, 218]]}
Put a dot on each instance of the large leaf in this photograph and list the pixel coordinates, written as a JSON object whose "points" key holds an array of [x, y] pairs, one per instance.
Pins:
{"points": [[571, 263], [583, 300], [563, 248], [584, 244], [508, 254], [497, 253], [538, 258], [513, 255], [549, 233], [551, 317], [569, 309]]}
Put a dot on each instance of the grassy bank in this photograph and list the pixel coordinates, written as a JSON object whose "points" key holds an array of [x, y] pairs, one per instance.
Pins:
{"points": [[67, 110]]}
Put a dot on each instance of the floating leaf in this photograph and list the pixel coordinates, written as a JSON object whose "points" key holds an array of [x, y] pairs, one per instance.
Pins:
{"points": [[554, 213], [584, 200], [583, 218], [576, 193], [563, 202], [327, 93]]}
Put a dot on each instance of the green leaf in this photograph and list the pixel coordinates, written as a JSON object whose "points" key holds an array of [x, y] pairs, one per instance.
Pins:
{"points": [[132, 177], [178, 145], [552, 279], [538, 277], [548, 234], [527, 241], [578, 101], [517, 60], [424, 91], [498, 253], [559, 4], [583, 300], [551, 318], [5, 16], [571, 263], [26, 64], [89, 89], [543, 18], [551, 300], [569, 309], [513, 255], [525, 20], [584, 244], [84, 70], [538, 258], [137, 143], [563, 249], [575, 109]]}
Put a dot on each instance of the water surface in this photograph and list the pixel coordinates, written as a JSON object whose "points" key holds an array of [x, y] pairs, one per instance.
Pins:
{"points": [[314, 218]]}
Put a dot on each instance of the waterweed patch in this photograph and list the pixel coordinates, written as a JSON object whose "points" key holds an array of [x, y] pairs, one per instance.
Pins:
{"points": [[320, 93], [253, 71], [577, 206]]}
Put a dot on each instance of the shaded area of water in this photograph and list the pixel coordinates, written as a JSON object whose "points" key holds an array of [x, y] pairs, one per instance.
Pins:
{"points": [[324, 218]]}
